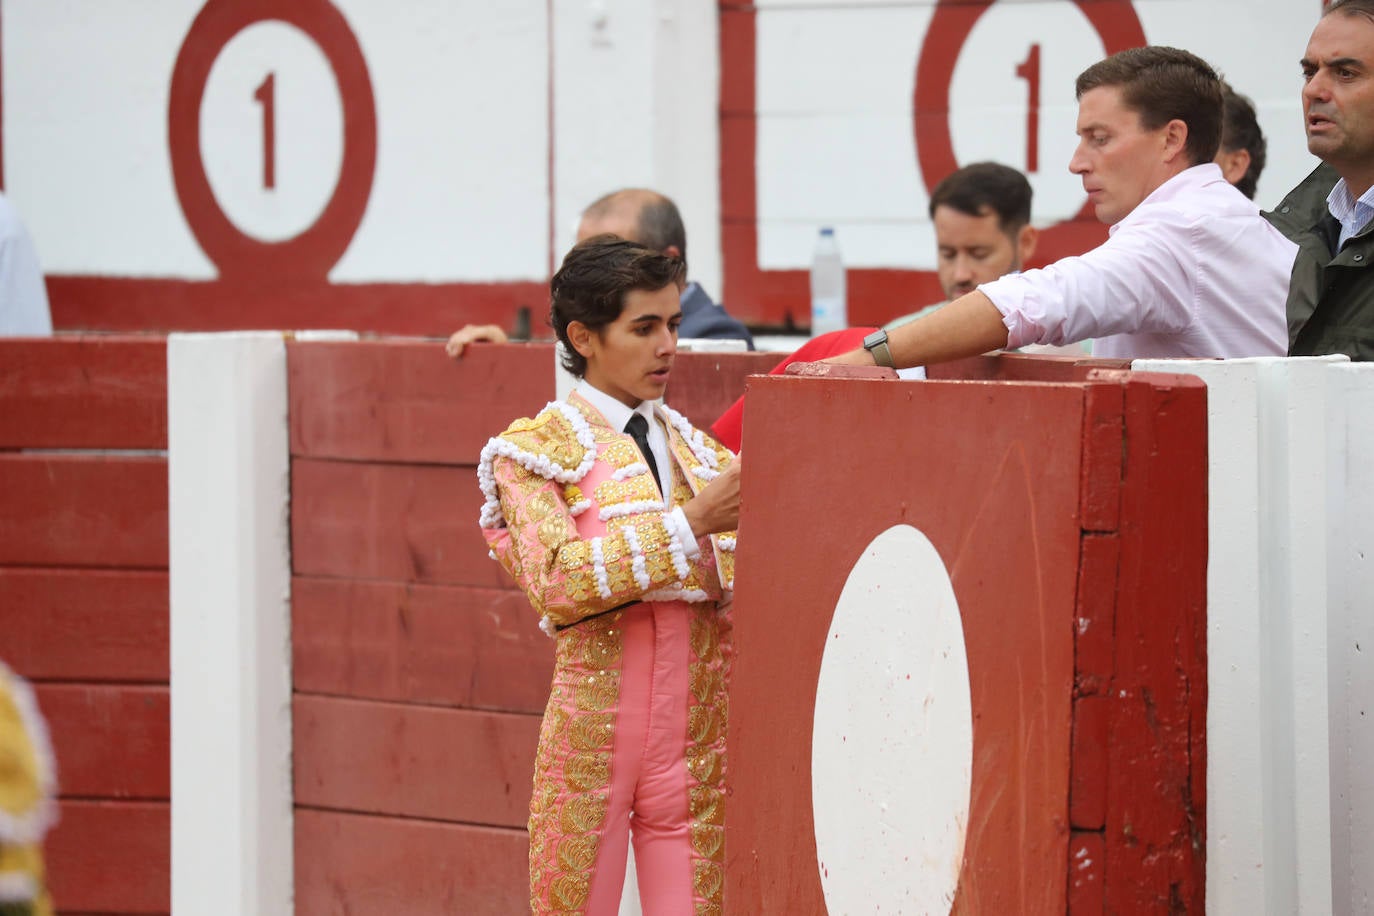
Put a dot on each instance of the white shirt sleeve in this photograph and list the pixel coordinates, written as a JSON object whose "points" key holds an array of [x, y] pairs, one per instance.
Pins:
{"points": [[678, 519], [1143, 278], [23, 297]]}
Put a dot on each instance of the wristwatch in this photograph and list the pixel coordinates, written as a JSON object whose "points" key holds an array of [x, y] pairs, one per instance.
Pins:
{"points": [[876, 344]]}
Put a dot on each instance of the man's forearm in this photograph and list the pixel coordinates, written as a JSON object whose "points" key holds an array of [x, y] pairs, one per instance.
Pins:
{"points": [[966, 327]]}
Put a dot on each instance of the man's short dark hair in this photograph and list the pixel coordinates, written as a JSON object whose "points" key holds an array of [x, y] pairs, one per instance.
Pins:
{"points": [[658, 223], [975, 189], [1241, 131], [591, 286], [1363, 8], [1162, 84]]}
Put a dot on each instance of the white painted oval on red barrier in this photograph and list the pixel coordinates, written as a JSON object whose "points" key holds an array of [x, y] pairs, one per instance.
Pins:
{"points": [[892, 743]]}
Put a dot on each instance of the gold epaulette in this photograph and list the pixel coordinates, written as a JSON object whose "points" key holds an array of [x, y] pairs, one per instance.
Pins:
{"points": [[551, 435]]}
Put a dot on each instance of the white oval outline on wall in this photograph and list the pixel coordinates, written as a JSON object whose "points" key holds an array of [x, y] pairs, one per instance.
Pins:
{"points": [[892, 739]]}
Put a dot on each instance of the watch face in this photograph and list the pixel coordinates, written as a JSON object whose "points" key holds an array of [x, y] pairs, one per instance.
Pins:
{"points": [[875, 339]]}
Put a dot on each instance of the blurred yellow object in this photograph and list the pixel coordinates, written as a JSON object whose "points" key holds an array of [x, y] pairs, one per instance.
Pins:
{"points": [[28, 787]]}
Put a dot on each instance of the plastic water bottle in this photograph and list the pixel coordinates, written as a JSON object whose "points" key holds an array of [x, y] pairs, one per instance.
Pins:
{"points": [[828, 309]]}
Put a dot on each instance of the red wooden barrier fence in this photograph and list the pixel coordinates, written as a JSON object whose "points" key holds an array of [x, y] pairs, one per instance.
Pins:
{"points": [[83, 602], [1071, 519]]}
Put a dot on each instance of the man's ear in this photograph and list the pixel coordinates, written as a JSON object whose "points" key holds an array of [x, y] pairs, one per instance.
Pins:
{"points": [[673, 251], [1234, 164], [1175, 139], [1026, 240], [580, 336]]}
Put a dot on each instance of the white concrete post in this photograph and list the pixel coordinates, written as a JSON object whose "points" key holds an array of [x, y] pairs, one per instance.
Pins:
{"points": [[636, 104], [1293, 651], [1350, 603], [228, 477]]}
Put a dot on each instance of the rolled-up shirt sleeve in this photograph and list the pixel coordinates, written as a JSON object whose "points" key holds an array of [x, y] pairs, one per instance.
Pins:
{"points": [[1141, 279]]}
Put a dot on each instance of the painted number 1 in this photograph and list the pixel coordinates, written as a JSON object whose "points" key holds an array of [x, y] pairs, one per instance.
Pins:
{"points": [[1029, 70], [266, 96]]}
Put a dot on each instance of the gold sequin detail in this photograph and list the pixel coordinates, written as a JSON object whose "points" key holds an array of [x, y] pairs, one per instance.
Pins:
{"points": [[597, 693], [575, 555], [582, 813], [602, 649], [578, 853], [704, 725], [707, 805], [705, 681], [570, 891], [705, 639], [538, 507], [589, 732], [708, 841], [620, 452], [707, 878], [554, 530], [639, 488], [703, 763]]}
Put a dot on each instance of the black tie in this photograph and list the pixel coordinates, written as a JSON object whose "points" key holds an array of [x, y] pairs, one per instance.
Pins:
{"points": [[638, 428]]}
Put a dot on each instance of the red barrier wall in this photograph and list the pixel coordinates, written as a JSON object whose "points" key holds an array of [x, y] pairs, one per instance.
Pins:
{"points": [[83, 602], [1071, 518], [420, 672]]}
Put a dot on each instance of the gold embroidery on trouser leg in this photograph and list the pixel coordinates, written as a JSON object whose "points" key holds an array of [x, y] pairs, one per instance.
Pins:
{"points": [[577, 853], [705, 805], [572, 768], [709, 841], [706, 718], [708, 878]]}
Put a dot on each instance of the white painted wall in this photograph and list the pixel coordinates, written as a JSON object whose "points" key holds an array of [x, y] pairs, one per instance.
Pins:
{"points": [[498, 122], [635, 89], [461, 189], [836, 81], [1290, 798], [230, 571]]}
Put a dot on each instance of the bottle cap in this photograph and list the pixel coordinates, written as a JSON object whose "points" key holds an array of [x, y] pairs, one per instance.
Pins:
{"points": [[827, 230]]}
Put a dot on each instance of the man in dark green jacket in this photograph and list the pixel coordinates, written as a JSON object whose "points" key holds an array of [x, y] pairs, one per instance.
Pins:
{"points": [[1331, 294]]}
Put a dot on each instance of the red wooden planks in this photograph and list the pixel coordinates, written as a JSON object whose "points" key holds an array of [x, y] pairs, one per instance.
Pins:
{"points": [[1156, 812], [389, 521], [408, 401], [474, 648], [1094, 614], [83, 392], [420, 761], [1088, 767], [80, 510], [111, 857], [1102, 455], [1087, 873], [95, 726], [1021, 367], [89, 625], [381, 866]]}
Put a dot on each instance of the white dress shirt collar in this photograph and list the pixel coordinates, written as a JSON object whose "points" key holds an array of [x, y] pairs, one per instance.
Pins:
{"points": [[617, 414], [1352, 214]]}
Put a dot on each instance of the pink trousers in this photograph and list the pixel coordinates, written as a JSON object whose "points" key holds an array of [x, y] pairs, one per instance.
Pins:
{"points": [[633, 746]]}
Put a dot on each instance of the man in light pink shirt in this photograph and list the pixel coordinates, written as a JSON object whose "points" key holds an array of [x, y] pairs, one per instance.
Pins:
{"points": [[1190, 268]]}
